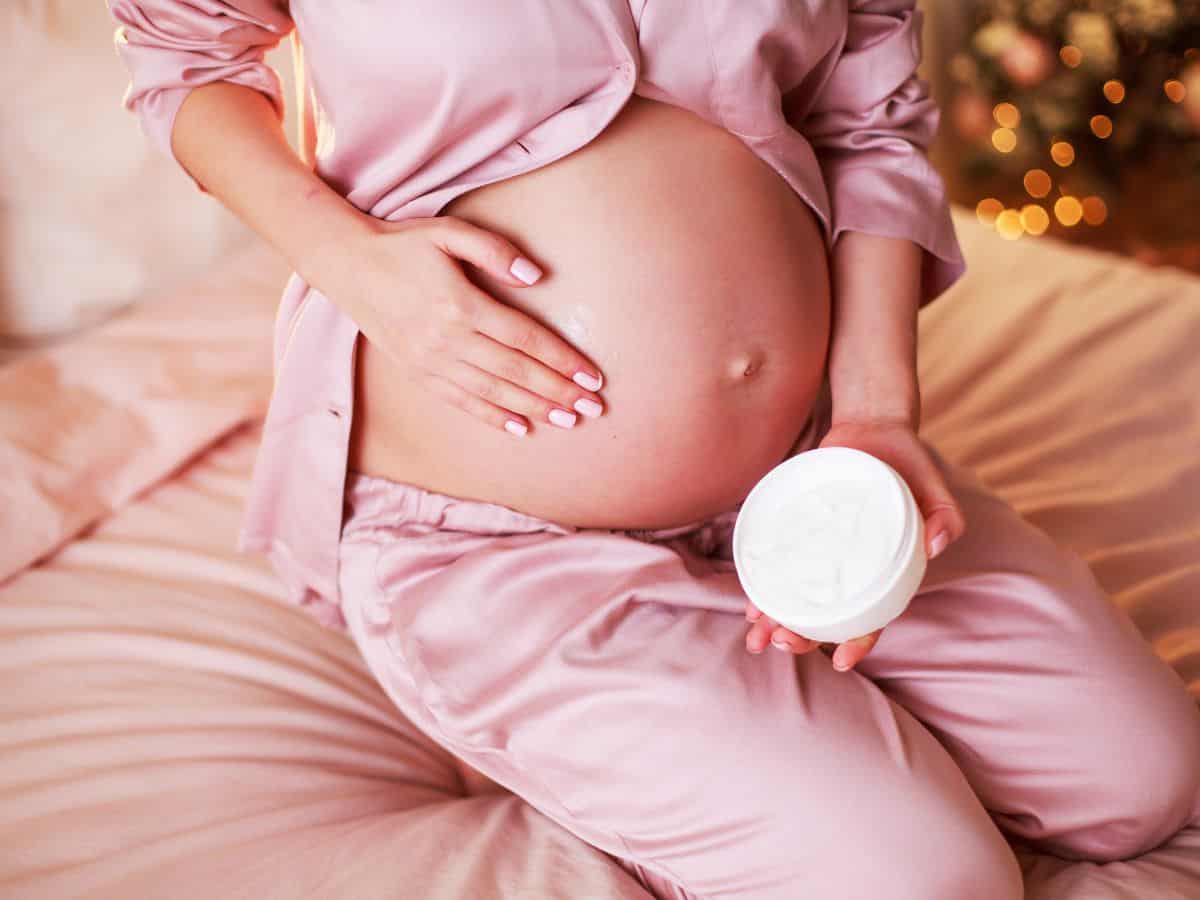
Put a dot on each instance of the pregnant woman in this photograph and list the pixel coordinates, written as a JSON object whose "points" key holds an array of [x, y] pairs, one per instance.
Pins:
{"points": [[570, 277]]}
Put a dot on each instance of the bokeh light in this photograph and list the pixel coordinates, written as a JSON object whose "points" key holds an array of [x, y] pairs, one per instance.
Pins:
{"points": [[1095, 211], [1034, 219], [1038, 183], [1102, 126], [1068, 210], [987, 210], [1062, 153], [1004, 140], [1071, 56], [1008, 223], [1174, 90], [1006, 115], [1114, 91]]}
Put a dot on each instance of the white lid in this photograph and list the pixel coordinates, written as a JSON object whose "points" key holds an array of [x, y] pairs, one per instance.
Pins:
{"points": [[830, 541]]}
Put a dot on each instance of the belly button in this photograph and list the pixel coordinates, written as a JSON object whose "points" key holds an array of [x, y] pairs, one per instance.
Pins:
{"points": [[746, 365]]}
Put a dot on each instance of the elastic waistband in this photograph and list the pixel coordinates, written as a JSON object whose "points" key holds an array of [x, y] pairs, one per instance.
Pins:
{"points": [[379, 502]]}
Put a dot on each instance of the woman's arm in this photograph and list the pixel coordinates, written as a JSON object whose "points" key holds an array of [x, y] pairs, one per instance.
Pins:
{"points": [[200, 85], [873, 353], [231, 141]]}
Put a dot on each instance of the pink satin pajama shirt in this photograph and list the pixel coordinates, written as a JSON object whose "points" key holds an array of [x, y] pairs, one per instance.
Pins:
{"points": [[414, 103]]}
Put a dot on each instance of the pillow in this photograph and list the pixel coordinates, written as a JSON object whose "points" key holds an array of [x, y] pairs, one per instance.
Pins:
{"points": [[70, 155], [90, 422]]}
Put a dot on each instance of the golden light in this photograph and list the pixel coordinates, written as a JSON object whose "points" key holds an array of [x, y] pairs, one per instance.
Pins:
{"points": [[987, 210], [1114, 91], [1038, 183], [1102, 126], [1068, 210], [1071, 56], [1174, 90], [1006, 115], [1034, 219], [1095, 211], [1008, 223], [1004, 140], [1062, 153]]}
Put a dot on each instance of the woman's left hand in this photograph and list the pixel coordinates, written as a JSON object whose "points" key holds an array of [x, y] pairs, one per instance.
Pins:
{"points": [[896, 443]]}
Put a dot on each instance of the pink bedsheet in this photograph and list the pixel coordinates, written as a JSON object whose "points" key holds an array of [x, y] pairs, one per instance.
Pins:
{"points": [[171, 728]]}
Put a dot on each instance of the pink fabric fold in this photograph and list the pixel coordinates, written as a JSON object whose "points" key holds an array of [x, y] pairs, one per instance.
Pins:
{"points": [[91, 422]]}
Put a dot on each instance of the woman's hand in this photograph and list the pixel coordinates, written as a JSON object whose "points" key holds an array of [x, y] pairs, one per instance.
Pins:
{"points": [[895, 442], [404, 286]]}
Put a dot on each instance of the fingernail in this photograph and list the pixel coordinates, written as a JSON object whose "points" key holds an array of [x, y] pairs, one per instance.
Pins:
{"points": [[586, 381], [589, 407], [562, 418], [782, 645], [525, 270], [938, 544], [754, 650], [839, 662], [514, 427]]}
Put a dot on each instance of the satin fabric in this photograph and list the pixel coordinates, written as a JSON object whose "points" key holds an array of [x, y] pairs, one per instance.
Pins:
{"points": [[413, 103], [602, 676]]}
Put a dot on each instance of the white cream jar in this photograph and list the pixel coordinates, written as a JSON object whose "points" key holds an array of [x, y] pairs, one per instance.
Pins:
{"points": [[830, 544]]}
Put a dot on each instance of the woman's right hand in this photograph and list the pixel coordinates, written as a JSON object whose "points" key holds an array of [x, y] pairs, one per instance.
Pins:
{"points": [[402, 283]]}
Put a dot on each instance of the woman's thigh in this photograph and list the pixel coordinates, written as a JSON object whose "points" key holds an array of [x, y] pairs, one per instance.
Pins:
{"points": [[605, 679], [1071, 731]]}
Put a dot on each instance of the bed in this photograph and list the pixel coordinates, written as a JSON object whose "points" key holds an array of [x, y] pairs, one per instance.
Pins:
{"points": [[172, 728]]}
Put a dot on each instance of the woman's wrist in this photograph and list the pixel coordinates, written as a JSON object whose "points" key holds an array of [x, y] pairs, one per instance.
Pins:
{"points": [[320, 249], [873, 359], [877, 397]]}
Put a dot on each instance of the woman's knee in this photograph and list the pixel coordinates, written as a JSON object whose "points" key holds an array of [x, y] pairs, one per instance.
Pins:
{"points": [[1135, 808]]}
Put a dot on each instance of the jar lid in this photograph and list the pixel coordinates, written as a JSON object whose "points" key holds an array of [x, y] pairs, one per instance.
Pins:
{"points": [[829, 539]]}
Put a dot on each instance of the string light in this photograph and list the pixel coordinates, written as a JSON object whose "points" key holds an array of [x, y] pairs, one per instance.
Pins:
{"points": [[1102, 126], [1034, 219], [1062, 153], [1095, 211], [1071, 56], [988, 210], [1008, 223], [1006, 115], [1068, 210], [1038, 183], [1004, 140], [1174, 90], [1114, 91]]}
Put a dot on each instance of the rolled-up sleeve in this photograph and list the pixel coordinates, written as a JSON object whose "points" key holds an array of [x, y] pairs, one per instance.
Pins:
{"points": [[171, 47], [870, 125]]}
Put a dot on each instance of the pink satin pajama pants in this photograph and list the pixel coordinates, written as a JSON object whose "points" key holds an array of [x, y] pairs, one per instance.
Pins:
{"points": [[603, 676]]}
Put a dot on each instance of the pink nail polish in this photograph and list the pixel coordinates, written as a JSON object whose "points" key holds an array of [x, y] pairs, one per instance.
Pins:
{"points": [[512, 426], [938, 544], [586, 381], [562, 418], [588, 407], [525, 270]]}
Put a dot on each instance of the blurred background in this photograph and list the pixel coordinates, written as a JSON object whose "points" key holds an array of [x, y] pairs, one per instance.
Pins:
{"points": [[1076, 119], [1067, 119]]}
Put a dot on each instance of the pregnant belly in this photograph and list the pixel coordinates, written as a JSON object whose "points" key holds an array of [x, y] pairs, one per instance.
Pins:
{"points": [[691, 274]]}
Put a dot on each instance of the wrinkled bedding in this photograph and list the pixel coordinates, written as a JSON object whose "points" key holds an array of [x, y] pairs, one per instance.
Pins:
{"points": [[172, 728]]}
